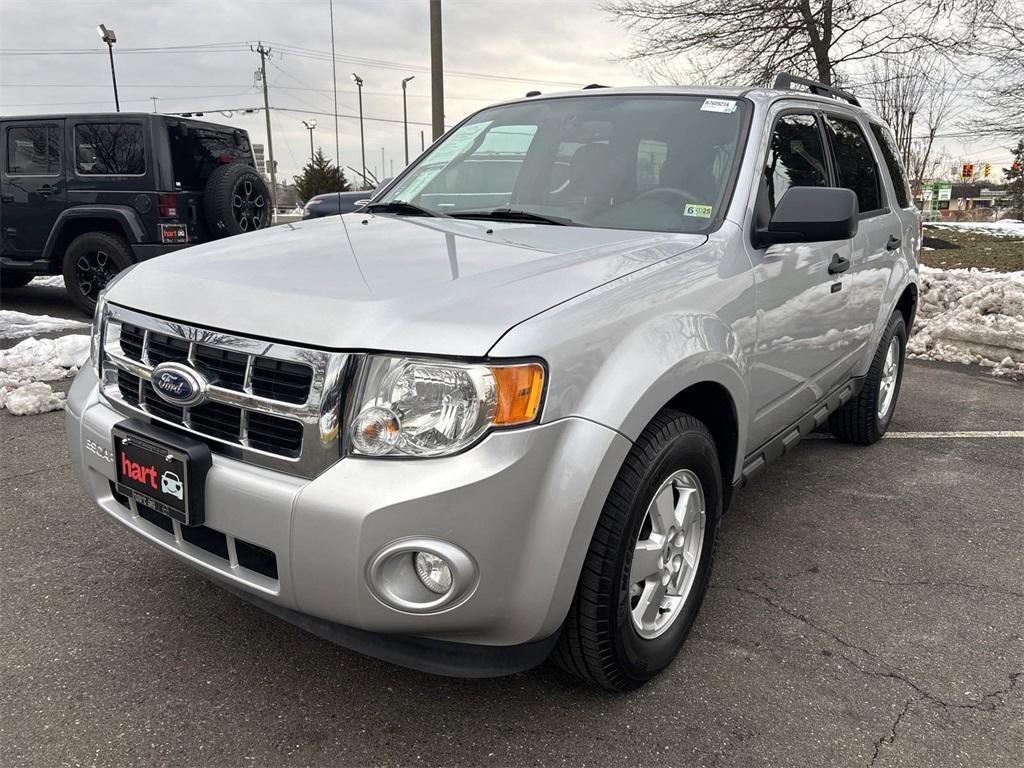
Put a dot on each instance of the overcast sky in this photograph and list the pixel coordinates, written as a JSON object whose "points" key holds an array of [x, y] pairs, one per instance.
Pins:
{"points": [[494, 49]]}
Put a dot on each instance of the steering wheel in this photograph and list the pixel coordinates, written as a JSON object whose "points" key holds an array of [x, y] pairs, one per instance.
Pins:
{"points": [[687, 196]]}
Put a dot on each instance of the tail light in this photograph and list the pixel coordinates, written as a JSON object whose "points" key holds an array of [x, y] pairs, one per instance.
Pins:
{"points": [[168, 205]]}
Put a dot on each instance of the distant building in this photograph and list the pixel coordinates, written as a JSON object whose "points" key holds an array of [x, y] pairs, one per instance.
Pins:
{"points": [[259, 157], [949, 200]]}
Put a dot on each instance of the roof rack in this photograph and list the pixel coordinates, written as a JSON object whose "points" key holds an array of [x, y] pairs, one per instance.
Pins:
{"points": [[785, 82], [594, 85]]}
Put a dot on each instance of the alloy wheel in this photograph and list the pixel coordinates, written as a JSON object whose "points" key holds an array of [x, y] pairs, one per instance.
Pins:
{"points": [[667, 553], [94, 271], [890, 374], [248, 206]]}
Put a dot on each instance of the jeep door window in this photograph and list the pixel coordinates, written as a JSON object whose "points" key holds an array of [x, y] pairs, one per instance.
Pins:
{"points": [[660, 163], [891, 156], [33, 150], [855, 163], [109, 149], [796, 157]]}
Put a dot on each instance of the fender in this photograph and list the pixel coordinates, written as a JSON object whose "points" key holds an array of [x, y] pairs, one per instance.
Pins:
{"points": [[125, 216], [903, 274]]}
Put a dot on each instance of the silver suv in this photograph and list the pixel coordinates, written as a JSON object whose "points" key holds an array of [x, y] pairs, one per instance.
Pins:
{"points": [[497, 415]]}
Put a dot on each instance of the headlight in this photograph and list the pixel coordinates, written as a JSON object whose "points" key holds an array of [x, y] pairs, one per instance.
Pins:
{"points": [[99, 319], [422, 407]]}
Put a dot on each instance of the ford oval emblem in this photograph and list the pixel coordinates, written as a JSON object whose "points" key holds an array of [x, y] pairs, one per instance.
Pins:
{"points": [[179, 384]]}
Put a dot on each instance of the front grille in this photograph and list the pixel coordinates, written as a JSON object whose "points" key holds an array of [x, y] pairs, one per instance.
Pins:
{"points": [[267, 403]]}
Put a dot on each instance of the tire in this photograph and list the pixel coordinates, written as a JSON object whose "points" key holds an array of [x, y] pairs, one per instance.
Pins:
{"points": [[859, 421], [9, 279], [601, 641], [89, 263], [236, 200]]}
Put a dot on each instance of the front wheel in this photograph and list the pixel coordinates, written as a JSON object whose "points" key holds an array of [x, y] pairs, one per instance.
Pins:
{"points": [[647, 569], [865, 419], [90, 261]]}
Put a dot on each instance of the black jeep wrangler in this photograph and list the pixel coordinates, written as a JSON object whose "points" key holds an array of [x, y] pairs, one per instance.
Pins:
{"points": [[87, 195]]}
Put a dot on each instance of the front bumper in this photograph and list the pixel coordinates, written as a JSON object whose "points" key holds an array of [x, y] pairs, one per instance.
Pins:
{"points": [[522, 503]]}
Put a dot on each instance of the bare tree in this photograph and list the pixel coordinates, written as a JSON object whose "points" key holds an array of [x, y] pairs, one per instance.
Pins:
{"points": [[1002, 70], [751, 40], [916, 95]]}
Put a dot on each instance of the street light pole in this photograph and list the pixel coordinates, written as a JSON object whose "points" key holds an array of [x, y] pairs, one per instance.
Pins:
{"points": [[310, 126], [436, 71], [405, 116], [362, 139], [108, 37]]}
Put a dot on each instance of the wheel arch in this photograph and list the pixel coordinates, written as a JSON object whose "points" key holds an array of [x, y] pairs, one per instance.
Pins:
{"points": [[73, 222]]}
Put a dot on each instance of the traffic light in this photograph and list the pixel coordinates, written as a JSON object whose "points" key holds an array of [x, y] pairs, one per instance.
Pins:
{"points": [[986, 169], [967, 171]]}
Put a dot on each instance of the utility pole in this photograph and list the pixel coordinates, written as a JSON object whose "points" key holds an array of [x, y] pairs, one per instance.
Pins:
{"points": [[362, 138], [405, 116], [264, 52], [108, 37], [383, 166], [436, 70], [310, 126]]}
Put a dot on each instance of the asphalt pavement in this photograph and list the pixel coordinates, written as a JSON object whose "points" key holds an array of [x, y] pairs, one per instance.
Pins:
{"points": [[866, 609]]}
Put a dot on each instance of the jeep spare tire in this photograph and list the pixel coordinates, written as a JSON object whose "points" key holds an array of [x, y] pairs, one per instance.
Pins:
{"points": [[237, 200]]}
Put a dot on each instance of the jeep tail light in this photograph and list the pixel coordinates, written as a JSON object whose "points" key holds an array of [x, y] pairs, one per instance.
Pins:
{"points": [[168, 205]]}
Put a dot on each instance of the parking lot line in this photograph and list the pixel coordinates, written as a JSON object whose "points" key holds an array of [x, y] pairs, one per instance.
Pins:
{"points": [[961, 433]]}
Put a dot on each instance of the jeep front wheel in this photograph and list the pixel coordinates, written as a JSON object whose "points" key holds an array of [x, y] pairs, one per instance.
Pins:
{"points": [[649, 562], [90, 262]]}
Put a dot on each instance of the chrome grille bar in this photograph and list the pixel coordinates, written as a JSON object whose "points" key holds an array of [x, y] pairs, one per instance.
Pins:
{"points": [[319, 415]]}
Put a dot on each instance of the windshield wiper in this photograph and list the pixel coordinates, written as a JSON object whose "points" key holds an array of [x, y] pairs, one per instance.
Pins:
{"points": [[402, 208], [510, 214]]}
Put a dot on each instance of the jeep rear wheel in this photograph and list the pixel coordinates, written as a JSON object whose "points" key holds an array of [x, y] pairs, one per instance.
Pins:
{"points": [[649, 562], [90, 262], [237, 200]]}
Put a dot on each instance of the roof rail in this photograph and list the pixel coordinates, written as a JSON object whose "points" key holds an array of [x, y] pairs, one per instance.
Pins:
{"points": [[594, 85], [785, 82]]}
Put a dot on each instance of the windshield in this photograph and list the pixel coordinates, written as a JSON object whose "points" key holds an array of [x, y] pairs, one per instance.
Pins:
{"points": [[632, 162]]}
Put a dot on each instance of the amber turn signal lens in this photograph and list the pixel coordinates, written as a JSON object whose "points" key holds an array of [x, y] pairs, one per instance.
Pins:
{"points": [[519, 389]]}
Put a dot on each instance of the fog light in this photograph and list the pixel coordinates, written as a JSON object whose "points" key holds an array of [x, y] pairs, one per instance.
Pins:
{"points": [[433, 572]]}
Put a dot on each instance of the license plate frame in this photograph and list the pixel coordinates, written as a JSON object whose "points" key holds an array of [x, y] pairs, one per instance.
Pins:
{"points": [[162, 470]]}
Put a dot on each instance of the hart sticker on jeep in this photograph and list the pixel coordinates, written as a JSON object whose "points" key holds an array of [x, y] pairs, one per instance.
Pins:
{"points": [[699, 211]]}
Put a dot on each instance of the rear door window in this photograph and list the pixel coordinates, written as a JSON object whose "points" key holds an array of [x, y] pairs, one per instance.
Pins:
{"points": [[855, 163], [109, 149], [33, 150], [892, 161], [796, 157]]}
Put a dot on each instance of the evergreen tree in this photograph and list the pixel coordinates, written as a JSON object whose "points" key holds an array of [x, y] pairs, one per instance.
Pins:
{"points": [[1015, 181], [320, 176]]}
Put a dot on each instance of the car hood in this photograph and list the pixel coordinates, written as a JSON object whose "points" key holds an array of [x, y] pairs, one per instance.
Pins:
{"points": [[423, 285]]}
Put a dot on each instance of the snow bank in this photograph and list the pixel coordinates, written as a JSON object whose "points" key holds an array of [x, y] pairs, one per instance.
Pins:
{"points": [[14, 325], [1013, 228], [49, 281], [37, 397], [971, 316], [26, 365]]}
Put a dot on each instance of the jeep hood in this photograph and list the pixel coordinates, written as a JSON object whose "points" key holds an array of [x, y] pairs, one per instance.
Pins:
{"points": [[423, 285]]}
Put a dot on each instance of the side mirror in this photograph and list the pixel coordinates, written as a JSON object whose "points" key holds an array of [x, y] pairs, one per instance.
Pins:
{"points": [[812, 215]]}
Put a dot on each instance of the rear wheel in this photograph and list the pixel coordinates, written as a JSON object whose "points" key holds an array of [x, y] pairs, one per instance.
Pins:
{"points": [[90, 262], [648, 565], [865, 419]]}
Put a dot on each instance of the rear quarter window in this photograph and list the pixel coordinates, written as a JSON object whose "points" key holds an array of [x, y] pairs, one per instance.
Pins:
{"points": [[893, 164], [109, 149], [197, 151]]}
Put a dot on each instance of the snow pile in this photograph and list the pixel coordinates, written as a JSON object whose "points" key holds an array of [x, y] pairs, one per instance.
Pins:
{"points": [[14, 325], [49, 281], [971, 316], [37, 397], [1013, 228], [24, 366]]}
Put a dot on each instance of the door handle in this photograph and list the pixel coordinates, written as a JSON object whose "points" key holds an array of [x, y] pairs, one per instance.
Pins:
{"points": [[838, 264], [893, 243], [6, 198]]}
